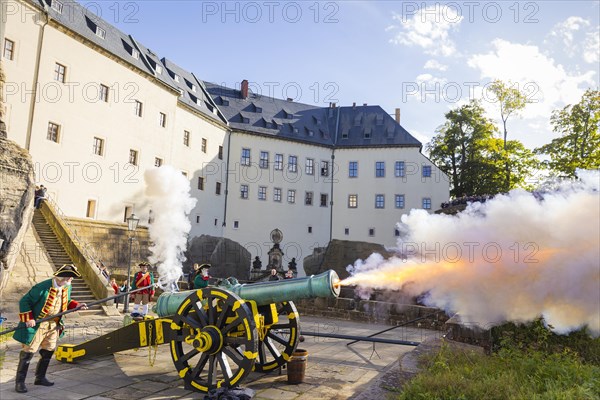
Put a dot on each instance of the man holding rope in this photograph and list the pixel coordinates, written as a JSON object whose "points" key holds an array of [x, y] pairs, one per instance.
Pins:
{"points": [[48, 297]]}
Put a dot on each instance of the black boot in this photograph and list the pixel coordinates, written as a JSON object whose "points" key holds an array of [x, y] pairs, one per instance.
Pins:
{"points": [[24, 359], [42, 367]]}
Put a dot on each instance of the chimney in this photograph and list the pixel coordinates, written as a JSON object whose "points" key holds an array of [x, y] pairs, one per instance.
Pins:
{"points": [[398, 116], [290, 99], [333, 105], [364, 104], [354, 105], [244, 89]]}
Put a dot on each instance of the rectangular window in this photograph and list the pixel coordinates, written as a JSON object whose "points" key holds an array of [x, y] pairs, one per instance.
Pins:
{"points": [[137, 108], [427, 203], [186, 138], [9, 49], [308, 198], [98, 146], [60, 72], [399, 201], [103, 93], [324, 199], [158, 162], [135, 54], [162, 119], [277, 194], [278, 162], [200, 183], [128, 212], [245, 157], [399, 169], [91, 209], [310, 229], [310, 166], [324, 168], [379, 201], [291, 197], [197, 219], [100, 32], [371, 231], [57, 6], [397, 232], [220, 152], [262, 193], [133, 157], [236, 224], [379, 169], [53, 132], [218, 188], [352, 201], [204, 145], [426, 171], [353, 169], [293, 164], [244, 191], [263, 162], [346, 231]]}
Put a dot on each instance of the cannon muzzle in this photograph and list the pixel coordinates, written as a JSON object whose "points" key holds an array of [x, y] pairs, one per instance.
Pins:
{"points": [[264, 293]]}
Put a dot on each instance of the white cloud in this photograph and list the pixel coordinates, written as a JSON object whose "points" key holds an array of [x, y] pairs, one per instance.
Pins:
{"points": [[545, 82], [575, 36], [591, 51], [435, 64], [429, 29]]}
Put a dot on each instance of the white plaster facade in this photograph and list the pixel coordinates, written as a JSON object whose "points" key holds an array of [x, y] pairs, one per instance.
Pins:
{"points": [[75, 175]]}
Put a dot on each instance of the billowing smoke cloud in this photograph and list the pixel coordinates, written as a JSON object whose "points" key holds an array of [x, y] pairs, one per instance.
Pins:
{"points": [[169, 194], [513, 258]]}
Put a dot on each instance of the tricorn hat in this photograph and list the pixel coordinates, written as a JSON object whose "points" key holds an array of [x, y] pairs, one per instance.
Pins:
{"points": [[204, 266], [144, 264], [67, 271]]}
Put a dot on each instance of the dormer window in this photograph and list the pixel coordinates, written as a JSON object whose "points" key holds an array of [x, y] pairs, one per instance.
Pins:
{"points": [[135, 54], [176, 77], [379, 119], [180, 92], [295, 130], [193, 88], [357, 120], [57, 6], [309, 132], [367, 134], [159, 69], [100, 32], [257, 109], [225, 102]]}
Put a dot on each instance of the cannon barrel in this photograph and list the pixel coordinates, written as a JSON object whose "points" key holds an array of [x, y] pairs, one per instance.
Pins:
{"points": [[264, 293]]}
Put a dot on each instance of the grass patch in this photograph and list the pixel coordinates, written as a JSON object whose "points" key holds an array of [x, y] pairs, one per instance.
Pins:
{"points": [[528, 363]]}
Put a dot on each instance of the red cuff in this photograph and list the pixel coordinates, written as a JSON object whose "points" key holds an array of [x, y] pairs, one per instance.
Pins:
{"points": [[72, 304], [205, 278], [26, 316]]}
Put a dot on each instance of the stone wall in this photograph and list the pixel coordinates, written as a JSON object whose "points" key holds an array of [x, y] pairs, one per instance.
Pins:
{"points": [[16, 202]]}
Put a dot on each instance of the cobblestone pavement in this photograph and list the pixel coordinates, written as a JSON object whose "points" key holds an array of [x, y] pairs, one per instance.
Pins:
{"points": [[334, 370]]}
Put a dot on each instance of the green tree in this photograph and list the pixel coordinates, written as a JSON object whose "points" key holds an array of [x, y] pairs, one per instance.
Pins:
{"points": [[465, 148], [579, 143], [511, 101], [457, 149]]}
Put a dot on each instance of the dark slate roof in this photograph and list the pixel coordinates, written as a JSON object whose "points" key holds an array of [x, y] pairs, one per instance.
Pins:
{"points": [[82, 21], [193, 92], [356, 126]]}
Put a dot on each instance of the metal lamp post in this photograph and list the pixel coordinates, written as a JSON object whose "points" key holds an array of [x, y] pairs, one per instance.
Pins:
{"points": [[132, 223]]}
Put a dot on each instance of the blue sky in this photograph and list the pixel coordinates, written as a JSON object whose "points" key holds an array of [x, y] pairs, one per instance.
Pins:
{"points": [[423, 57]]}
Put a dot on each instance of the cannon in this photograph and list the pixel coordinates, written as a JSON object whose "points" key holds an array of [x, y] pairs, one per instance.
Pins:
{"points": [[218, 334]]}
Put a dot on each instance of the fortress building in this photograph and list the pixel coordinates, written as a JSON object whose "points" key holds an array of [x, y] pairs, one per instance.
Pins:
{"points": [[96, 108]]}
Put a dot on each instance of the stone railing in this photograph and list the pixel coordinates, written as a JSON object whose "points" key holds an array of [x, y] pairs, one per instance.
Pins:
{"points": [[76, 249]]}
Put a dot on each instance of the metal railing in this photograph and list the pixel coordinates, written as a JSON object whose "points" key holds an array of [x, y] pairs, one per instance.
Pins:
{"points": [[85, 248]]}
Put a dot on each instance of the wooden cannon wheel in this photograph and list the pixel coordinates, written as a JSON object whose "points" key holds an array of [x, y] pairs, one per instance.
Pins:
{"points": [[279, 341], [216, 342]]}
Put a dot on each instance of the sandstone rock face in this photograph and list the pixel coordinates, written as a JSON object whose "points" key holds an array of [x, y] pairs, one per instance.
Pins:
{"points": [[339, 255], [227, 257], [17, 187]]}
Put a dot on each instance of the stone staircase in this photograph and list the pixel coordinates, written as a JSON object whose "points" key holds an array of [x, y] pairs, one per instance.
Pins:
{"points": [[58, 256]]}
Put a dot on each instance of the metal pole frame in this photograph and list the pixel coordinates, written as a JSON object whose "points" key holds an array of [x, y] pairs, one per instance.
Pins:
{"points": [[126, 304]]}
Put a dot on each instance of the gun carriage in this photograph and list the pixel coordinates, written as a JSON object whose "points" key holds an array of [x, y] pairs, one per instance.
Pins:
{"points": [[218, 334]]}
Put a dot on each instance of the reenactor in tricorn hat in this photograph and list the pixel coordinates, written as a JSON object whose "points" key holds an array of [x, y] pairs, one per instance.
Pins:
{"points": [[46, 298], [141, 279], [201, 279]]}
